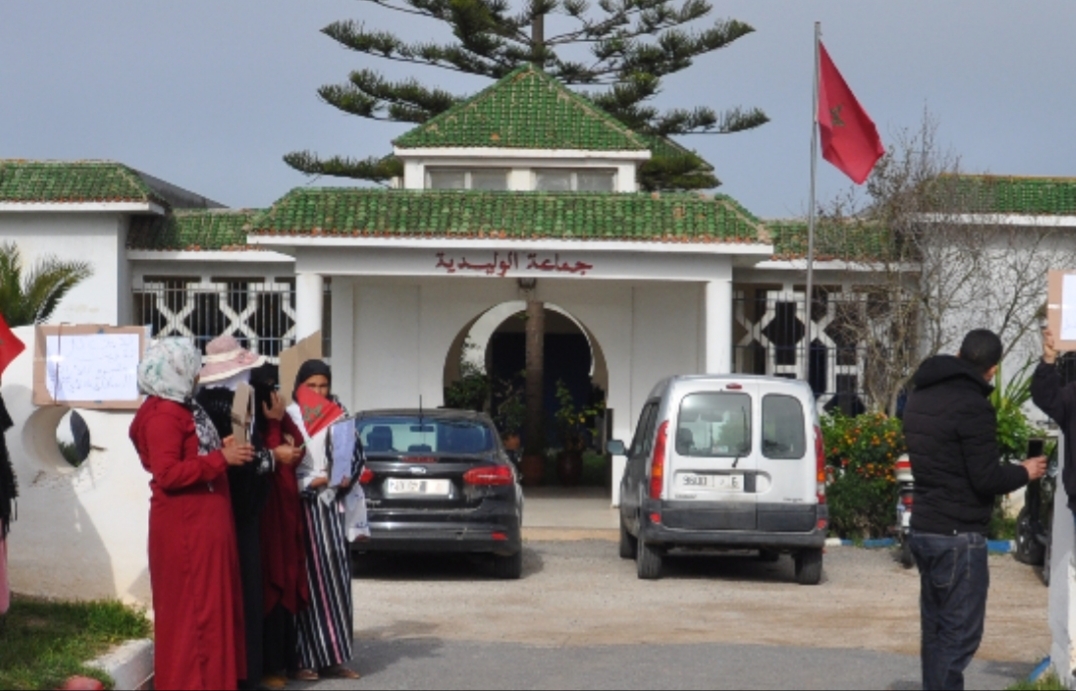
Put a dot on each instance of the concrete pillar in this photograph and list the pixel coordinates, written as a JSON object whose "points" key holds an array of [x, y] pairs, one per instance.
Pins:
{"points": [[1062, 610], [343, 339], [309, 303], [717, 318]]}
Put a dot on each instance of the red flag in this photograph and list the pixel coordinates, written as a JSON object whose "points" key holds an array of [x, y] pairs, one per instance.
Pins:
{"points": [[318, 411], [850, 140], [10, 346]]}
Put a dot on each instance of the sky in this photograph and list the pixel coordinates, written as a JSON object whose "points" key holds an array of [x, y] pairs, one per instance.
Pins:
{"points": [[210, 95]]}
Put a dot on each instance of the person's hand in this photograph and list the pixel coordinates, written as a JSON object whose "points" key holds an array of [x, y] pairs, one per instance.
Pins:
{"points": [[1049, 347], [275, 411], [318, 483], [1035, 467], [237, 454], [287, 454], [345, 483]]}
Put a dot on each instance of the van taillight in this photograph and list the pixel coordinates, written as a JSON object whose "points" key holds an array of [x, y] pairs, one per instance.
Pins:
{"points": [[820, 463], [657, 463]]}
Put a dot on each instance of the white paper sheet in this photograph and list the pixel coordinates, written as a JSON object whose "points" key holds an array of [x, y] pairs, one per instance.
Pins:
{"points": [[1068, 308], [343, 444], [97, 367]]}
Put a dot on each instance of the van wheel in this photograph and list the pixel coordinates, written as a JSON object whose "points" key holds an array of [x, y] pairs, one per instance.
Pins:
{"points": [[508, 568], [629, 544], [647, 562], [809, 567]]}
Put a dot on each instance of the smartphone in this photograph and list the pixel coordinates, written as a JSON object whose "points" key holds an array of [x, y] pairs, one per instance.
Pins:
{"points": [[1036, 448]]}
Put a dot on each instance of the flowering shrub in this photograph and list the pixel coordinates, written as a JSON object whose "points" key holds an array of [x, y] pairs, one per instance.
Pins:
{"points": [[861, 454]]}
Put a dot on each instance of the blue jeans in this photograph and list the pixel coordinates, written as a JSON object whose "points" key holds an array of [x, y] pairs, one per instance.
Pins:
{"points": [[955, 579]]}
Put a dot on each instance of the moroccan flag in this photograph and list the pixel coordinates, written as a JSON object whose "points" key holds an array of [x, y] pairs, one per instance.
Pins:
{"points": [[10, 346], [850, 140], [318, 412]]}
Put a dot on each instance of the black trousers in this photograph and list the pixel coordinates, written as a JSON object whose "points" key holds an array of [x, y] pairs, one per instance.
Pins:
{"points": [[281, 640], [955, 580]]}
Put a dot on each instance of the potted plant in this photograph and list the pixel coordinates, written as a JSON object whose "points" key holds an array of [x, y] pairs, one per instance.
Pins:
{"points": [[572, 424], [511, 414]]}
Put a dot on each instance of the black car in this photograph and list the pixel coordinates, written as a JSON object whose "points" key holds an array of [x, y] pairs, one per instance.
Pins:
{"points": [[1035, 522], [440, 481]]}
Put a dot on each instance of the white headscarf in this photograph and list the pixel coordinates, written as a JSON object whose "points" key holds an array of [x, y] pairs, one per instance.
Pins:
{"points": [[169, 369]]}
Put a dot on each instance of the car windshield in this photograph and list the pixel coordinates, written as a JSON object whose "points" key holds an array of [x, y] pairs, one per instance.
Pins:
{"points": [[400, 435]]}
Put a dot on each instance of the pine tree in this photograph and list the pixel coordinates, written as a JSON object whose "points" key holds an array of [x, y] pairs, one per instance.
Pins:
{"points": [[633, 44]]}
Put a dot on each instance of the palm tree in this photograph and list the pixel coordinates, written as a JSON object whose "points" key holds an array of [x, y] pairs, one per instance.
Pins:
{"points": [[31, 299]]}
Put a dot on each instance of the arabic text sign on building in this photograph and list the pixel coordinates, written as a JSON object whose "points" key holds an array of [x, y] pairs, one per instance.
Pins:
{"points": [[502, 264]]}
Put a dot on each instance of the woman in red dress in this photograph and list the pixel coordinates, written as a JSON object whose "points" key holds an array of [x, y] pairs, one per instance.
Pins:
{"points": [[193, 561]]}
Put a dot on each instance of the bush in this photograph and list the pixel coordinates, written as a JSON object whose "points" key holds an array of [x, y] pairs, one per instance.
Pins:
{"points": [[861, 454]]}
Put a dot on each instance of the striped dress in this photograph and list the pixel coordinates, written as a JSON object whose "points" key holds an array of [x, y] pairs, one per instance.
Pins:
{"points": [[326, 627]]}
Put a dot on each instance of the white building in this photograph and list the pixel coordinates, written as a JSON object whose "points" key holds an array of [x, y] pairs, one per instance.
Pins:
{"points": [[527, 191]]}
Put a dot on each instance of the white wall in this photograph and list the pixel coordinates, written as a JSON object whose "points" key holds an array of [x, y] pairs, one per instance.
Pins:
{"points": [[82, 533], [98, 238], [1062, 610]]}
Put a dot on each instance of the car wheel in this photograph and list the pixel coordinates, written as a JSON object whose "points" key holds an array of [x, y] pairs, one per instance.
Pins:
{"points": [[1046, 566], [907, 559], [1028, 548], [809, 567], [769, 556], [648, 561], [629, 544], [508, 568]]}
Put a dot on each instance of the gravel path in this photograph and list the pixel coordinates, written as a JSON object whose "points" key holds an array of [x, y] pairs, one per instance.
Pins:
{"points": [[578, 593]]}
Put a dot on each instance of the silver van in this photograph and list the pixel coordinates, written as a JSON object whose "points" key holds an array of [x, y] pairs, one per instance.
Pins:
{"points": [[727, 462]]}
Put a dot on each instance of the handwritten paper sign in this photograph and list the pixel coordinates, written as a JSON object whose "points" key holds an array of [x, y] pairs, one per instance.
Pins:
{"points": [[503, 264], [88, 366]]}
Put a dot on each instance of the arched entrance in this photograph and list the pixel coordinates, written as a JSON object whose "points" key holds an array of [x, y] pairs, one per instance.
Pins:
{"points": [[484, 369]]}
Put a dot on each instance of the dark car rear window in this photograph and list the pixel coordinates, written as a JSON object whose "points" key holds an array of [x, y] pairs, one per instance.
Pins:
{"points": [[410, 435]]}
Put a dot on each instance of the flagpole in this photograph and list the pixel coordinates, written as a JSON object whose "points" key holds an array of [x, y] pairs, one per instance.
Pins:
{"points": [[811, 214]]}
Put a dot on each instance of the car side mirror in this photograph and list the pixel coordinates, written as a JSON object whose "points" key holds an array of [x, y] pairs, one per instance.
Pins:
{"points": [[615, 447]]}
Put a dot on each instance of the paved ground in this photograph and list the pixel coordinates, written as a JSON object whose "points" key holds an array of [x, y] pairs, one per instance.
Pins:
{"points": [[580, 618]]}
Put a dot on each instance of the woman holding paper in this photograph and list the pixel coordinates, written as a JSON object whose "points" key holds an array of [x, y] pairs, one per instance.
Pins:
{"points": [[326, 627], [225, 378], [193, 561]]}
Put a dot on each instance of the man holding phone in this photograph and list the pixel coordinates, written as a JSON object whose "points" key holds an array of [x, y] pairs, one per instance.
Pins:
{"points": [[951, 431], [1058, 400]]}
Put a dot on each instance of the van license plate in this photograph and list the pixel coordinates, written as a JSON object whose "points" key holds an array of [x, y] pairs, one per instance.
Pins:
{"points": [[406, 487], [721, 483]]}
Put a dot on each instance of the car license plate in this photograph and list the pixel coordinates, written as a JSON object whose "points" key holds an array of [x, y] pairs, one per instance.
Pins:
{"points": [[721, 483], [408, 487]]}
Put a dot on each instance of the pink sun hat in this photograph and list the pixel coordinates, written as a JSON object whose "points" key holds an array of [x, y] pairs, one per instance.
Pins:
{"points": [[225, 358]]}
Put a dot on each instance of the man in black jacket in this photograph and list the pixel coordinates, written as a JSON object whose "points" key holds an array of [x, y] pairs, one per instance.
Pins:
{"points": [[1057, 400], [951, 432]]}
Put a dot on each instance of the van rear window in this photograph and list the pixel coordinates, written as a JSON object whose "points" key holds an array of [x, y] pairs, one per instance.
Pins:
{"points": [[714, 425], [783, 436]]}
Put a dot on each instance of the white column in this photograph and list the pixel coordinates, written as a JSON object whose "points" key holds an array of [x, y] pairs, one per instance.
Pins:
{"points": [[1062, 610], [717, 318], [343, 339], [309, 303]]}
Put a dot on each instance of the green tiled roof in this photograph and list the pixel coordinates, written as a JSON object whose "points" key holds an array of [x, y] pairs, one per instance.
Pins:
{"points": [[1014, 195], [527, 109], [845, 242], [360, 212], [191, 230], [72, 182]]}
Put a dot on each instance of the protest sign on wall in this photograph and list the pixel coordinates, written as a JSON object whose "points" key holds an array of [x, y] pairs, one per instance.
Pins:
{"points": [[88, 366]]}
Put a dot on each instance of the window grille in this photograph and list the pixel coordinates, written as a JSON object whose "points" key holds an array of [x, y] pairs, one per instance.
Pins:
{"points": [[260, 313]]}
